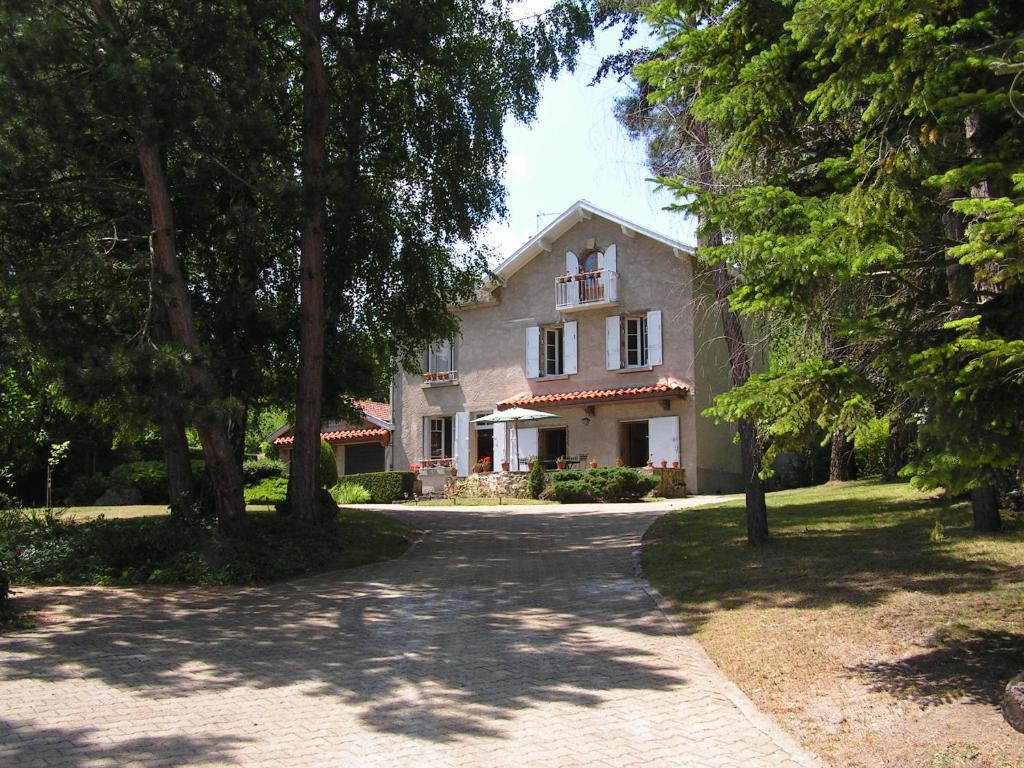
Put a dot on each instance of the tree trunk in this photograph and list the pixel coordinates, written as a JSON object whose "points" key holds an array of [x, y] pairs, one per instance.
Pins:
{"points": [[985, 509], [178, 464], [225, 475], [841, 465], [739, 362], [304, 487]]}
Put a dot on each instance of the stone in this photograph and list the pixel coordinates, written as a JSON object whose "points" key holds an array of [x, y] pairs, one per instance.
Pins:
{"points": [[119, 497], [1013, 702]]}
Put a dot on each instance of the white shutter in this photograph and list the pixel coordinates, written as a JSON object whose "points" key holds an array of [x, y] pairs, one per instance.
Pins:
{"points": [[528, 442], [663, 439], [654, 337], [426, 438], [461, 440], [608, 259], [499, 446], [611, 343], [572, 264], [532, 352], [569, 348]]}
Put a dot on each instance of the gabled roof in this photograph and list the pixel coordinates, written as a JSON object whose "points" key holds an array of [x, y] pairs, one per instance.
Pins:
{"points": [[577, 212], [377, 423]]}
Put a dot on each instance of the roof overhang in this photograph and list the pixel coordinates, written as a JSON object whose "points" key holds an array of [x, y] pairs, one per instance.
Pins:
{"points": [[597, 396], [580, 211]]}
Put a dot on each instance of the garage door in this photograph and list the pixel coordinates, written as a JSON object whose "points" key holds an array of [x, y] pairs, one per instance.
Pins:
{"points": [[368, 457]]}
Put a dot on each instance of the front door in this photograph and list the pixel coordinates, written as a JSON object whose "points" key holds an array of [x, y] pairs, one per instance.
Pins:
{"points": [[635, 444]]}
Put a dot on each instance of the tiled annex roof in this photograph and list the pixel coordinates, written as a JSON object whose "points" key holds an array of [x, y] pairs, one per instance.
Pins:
{"points": [[339, 436], [348, 432], [380, 411], [588, 396]]}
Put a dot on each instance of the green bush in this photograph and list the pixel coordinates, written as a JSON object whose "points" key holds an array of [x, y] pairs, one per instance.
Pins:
{"points": [[328, 466], [87, 488], [385, 487], [270, 490], [156, 550], [150, 477], [350, 493], [537, 480], [601, 484], [256, 470]]}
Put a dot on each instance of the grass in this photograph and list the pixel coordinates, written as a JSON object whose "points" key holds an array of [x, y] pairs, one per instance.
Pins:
{"points": [[125, 512], [873, 643], [476, 501], [153, 549]]}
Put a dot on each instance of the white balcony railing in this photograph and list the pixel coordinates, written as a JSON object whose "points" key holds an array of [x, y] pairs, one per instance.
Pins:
{"points": [[587, 289]]}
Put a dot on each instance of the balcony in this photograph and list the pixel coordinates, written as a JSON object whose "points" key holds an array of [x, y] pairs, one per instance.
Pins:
{"points": [[440, 378], [587, 290]]}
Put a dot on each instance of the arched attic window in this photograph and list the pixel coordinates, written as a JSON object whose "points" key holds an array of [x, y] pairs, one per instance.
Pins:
{"points": [[589, 259]]}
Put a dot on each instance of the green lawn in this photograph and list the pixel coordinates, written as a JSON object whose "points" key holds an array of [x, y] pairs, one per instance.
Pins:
{"points": [[852, 623], [131, 510]]}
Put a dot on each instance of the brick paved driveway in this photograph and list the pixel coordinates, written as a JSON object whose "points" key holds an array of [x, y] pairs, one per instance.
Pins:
{"points": [[513, 637]]}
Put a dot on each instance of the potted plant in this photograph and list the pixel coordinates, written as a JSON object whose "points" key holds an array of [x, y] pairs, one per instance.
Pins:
{"points": [[664, 464], [560, 462], [620, 463], [486, 463], [454, 471], [675, 465], [593, 463], [504, 466], [478, 467]]}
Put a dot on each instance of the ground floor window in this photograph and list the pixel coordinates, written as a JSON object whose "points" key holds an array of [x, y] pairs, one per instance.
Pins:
{"points": [[485, 445], [551, 445], [440, 437], [364, 457], [635, 443]]}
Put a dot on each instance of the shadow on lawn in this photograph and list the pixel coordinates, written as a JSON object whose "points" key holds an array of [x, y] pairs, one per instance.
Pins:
{"points": [[815, 560], [491, 614], [974, 669]]}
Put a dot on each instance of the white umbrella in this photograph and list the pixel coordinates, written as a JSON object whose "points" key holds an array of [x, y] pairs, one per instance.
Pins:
{"points": [[513, 416]]}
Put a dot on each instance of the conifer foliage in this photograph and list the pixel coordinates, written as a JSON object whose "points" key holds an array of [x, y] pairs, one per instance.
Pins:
{"points": [[873, 152]]}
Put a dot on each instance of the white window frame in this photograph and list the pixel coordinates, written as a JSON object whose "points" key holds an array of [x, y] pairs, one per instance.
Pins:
{"points": [[440, 357], [635, 342], [552, 346], [436, 426]]}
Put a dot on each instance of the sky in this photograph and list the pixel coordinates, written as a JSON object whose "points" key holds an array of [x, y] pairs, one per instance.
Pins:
{"points": [[576, 149]]}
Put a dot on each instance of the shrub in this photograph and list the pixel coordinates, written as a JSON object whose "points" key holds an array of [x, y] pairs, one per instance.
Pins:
{"points": [[328, 466], [385, 487], [87, 488], [601, 484], [270, 490], [150, 477], [256, 470], [350, 493], [537, 480]]}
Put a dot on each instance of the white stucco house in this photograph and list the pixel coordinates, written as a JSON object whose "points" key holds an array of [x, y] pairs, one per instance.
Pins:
{"points": [[597, 320]]}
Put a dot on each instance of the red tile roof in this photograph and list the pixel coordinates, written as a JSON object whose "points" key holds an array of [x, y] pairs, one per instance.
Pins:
{"points": [[380, 411], [586, 396], [340, 436], [350, 432]]}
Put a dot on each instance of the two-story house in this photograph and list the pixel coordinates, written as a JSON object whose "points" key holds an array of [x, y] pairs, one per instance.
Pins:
{"points": [[598, 321]]}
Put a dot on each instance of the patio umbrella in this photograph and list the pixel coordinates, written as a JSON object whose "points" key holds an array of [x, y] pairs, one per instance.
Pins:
{"points": [[513, 416]]}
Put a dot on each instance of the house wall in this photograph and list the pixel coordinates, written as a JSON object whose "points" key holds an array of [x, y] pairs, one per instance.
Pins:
{"points": [[491, 354]]}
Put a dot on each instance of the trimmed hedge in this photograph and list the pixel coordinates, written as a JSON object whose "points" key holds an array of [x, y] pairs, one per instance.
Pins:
{"points": [[570, 486], [384, 487], [256, 470]]}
